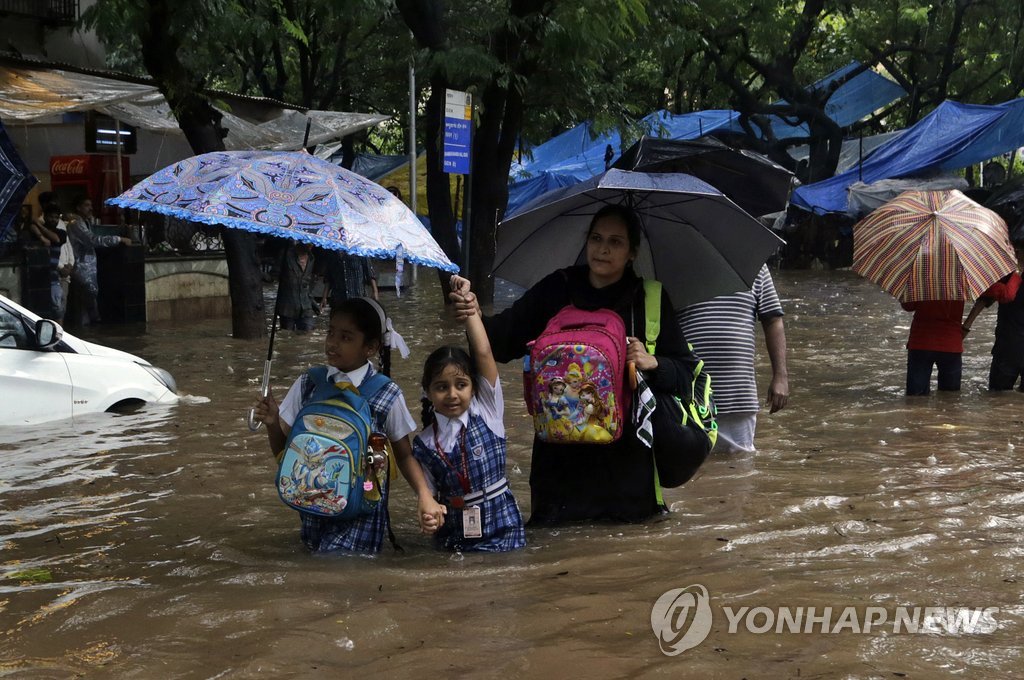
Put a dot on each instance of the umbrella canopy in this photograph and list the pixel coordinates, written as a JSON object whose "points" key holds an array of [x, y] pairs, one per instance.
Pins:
{"points": [[753, 182], [696, 241], [932, 245], [292, 195], [15, 181]]}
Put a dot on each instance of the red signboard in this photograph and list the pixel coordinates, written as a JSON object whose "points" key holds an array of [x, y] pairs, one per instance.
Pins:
{"points": [[94, 176]]}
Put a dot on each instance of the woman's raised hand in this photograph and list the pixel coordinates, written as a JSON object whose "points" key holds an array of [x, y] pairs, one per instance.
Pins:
{"points": [[459, 284]]}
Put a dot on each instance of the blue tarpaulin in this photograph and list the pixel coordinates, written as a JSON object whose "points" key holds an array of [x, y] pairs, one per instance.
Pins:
{"points": [[577, 155], [951, 137], [525, 190]]}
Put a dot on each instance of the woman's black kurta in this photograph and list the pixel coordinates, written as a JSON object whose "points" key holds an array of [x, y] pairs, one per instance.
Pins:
{"points": [[593, 481]]}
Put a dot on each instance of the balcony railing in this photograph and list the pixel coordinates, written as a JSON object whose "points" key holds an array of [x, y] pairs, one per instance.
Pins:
{"points": [[57, 11]]}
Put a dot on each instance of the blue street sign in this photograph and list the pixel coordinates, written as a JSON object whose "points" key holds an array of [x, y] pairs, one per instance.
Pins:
{"points": [[457, 132]]}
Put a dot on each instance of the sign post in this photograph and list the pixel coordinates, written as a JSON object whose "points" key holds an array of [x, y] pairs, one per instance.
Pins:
{"points": [[458, 158]]}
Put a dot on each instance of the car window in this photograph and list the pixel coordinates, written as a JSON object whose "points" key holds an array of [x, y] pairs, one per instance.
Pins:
{"points": [[12, 331]]}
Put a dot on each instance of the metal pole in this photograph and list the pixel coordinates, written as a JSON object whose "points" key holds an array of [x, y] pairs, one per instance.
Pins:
{"points": [[120, 175], [412, 149], [468, 197], [412, 135], [860, 160]]}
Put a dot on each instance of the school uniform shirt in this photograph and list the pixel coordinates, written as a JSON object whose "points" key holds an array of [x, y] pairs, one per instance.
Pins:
{"points": [[481, 430], [364, 534], [398, 423]]}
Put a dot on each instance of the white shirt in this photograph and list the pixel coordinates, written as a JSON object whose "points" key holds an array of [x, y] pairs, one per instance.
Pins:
{"points": [[487, 403], [397, 425], [67, 253]]}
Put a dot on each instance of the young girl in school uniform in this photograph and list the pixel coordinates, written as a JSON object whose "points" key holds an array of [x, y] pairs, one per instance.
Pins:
{"points": [[357, 332], [462, 446]]}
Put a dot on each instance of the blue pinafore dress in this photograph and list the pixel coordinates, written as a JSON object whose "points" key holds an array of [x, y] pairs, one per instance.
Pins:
{"points": [[502, 524]]}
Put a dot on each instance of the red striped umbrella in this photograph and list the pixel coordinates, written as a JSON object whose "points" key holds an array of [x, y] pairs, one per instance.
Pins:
{"points": [[933, 245]]}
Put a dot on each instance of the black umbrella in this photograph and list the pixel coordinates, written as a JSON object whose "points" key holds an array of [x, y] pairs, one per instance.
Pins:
{"points": [[1010, 194], [753, 182]]}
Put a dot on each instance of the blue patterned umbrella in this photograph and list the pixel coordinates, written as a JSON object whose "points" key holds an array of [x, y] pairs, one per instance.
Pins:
{"points": [[15, 182], [292, 195]]}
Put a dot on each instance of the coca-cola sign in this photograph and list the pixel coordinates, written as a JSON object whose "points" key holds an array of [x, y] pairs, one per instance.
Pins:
{"points": [[68, 166]]}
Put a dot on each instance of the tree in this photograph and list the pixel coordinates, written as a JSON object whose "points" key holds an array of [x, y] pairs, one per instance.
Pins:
{"points": [[163, 30], [967, 50], [321, 53], [509, 55]]}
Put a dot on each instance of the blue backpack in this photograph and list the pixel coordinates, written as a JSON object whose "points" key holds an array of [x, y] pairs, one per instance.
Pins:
{"points": [[328, 468]]}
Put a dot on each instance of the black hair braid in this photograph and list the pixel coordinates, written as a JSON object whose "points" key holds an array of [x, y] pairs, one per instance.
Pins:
{"points": [[427, 412], [385, 360]]}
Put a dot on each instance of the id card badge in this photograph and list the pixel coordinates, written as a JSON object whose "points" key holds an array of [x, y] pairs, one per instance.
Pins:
{"points": [[472, 526]]}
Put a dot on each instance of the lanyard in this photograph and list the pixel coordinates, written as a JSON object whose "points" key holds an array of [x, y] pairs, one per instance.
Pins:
{"points": [[463, 476]]}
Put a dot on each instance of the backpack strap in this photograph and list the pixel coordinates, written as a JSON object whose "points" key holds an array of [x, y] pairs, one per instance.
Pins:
{"points": [[372, 384], [312, 379], [652, 313]]}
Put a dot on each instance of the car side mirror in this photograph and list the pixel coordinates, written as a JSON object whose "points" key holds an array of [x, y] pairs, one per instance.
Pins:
{"points": [[48, 334]]}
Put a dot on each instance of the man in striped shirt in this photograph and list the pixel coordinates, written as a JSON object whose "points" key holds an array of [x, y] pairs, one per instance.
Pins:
{"points": [[722, 334]]}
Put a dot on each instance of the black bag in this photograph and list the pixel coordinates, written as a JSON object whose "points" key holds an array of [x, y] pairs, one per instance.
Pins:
{"points": [[681, 444], [684, 432]]}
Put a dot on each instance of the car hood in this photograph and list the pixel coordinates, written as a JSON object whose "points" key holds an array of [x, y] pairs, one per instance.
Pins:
{"points": [[84, 347]]}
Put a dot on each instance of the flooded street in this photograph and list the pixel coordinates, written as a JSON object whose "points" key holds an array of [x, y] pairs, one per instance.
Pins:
{"points": [[153, 545]]}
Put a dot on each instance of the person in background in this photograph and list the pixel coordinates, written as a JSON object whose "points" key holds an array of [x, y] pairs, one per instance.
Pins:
{"points": [[294, 290], [936, 339], [51, 233], [1008, 351], [721, 331], [66, 261], [84, 280], [347, 276]]}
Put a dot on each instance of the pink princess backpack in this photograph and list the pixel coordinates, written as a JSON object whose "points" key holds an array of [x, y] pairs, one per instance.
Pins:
{"points": [[574, 378]]}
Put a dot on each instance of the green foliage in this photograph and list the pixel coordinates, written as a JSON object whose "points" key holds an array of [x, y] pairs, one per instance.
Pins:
{"points": [[608, 61]]}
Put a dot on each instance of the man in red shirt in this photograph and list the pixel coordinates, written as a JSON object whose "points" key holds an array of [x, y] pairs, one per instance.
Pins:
{"points": [[936, 339]]}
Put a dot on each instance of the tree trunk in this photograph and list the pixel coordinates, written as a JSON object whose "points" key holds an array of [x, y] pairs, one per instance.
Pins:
{"points": [[439, 192], [200, 123], [425, 18]]}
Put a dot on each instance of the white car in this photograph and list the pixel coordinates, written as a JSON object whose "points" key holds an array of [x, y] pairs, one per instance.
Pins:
{"points": [[47, 374]]}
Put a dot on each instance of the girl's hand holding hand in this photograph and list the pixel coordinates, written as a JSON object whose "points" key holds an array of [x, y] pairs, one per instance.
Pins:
{"points": [[459, 284], [431, 515], [466, 304]]}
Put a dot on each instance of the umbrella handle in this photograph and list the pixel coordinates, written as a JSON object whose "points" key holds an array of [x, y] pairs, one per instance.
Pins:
{"points": [[631, 369], [250, 419]]}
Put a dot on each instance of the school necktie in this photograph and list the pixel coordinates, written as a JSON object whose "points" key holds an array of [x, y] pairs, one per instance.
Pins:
{"points": [[346, 385]]}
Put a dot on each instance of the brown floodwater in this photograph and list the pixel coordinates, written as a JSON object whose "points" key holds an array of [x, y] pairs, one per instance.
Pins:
{"points": [[153, 545]]}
